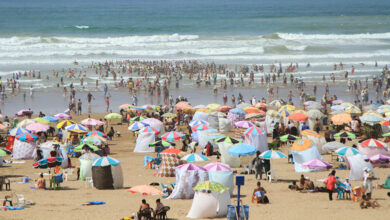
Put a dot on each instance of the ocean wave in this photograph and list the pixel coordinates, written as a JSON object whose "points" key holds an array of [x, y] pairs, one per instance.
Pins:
{"points": [[81, 26], [292, 36]]}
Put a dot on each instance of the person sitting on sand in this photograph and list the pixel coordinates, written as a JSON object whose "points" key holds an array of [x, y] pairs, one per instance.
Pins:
{"points": [[302, 181], [309, 185], [294, 186], [144, 210], [111, 133], [41, 182], [259, 193], [366, 203]]}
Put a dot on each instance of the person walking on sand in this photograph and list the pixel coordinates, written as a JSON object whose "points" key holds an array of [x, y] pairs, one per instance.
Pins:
{"points": [[330, 184]]}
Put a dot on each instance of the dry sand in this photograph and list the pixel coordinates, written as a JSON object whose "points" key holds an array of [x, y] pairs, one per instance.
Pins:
{"points": [[285, 204]]}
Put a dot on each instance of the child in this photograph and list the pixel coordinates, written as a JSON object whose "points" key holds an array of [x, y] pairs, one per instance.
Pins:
{"points": [[348, 188]]}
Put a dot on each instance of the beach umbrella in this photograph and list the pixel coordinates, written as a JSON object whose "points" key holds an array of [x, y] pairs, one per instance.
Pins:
{"points": [[260, 105], [105, 161], [385, 123], [24, 112], [90, 146], [172, 151], [345, 134], [310, 103], [340, 108], [314, 114], [370, 107], [272, 154], [383, 109], [315, 106], [77, 128], [217, 166], [65, 123], [27, 137], [182, 105], [353, 110], [149, 129], [37, 127], [148, 107], [273, 113], [213, 106], [91, 122], [372, 113], [200, 127], [18, 131], [253, 115], [94, 140], [210, 186], [113, 116], [25, 122], [42, 121], [51, 119], [301, 145], [48, 162], [252, 110], [124, 106], [371, 118], [386, 135], [289, 108], [339, 119], [3, 127], [243, 105], [337, 102], [197, 122], [172, 136], [237, 111], [169, 115], [310, 133], [200, 106], [195, 158], [244, 124], [380, 158], [62, 116], [347, 151], [317, 164], [289, 137], [204, 110], [96, 133], [137, 126], [276, 104], [373, 143], [137, 118], [146, 190], [162, 143], [298, 117], [189, 110], [228, 140], [242, 150], [284, 113], [2, 153], [223, 109], [254, 131]]}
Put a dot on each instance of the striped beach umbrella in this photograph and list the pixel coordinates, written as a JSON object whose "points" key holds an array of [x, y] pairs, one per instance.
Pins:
{"points": [[86, 145], [149, 129], [289, 137], [196, 122], [137, 118], [345, 134], [308, 132], [254, 131], [51, 119], [172, 136], [18, 131], [65, 123], [347, 151], [91, 122], [96, 133], [77, 128], [194, 158], [244, 124], [105, 161], [162, 143], [200, 127], [272, 154], [284, 113], [27, 137], [228, 140], [137, 126], [217, 166], [373, 143], [242, 150]]}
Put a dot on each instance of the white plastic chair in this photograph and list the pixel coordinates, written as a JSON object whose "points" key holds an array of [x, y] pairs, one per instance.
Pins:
{"points": [[89, 181], [68, 174], [21, 201], [271, 175]]}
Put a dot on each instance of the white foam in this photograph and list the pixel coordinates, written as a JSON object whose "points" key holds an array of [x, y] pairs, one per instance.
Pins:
{"points": [[290, 36], [81, 26]]}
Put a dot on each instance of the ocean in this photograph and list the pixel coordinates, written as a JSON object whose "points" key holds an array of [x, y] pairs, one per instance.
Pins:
{"points": [[46, 35]]}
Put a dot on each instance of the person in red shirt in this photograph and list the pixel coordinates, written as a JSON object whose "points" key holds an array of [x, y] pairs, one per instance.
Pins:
{"points": [[330, 183], [107, 103]]}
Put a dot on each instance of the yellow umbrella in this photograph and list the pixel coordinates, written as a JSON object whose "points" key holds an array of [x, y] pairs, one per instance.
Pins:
{"points": [[373, 112], [289, 108], [342, 118], [42, 121], [273, 113], [353, 110], [189, 110], [213, 106], [204, 110], [65, 123]]}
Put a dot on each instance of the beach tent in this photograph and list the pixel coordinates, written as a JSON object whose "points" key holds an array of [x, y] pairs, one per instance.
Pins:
{"points": [[202, 137], [23, 150], [200, 116], [86, 161], [224, 125], [304, 150], [371, 147], [227, 158], [256, 137], [107, 173], [48, 146], [213, 121], [155, 123], [187, 177], [236, 115], [357, 163], [269, 119], [143, 141], [223, 177], [210, 202], [168, 163]]}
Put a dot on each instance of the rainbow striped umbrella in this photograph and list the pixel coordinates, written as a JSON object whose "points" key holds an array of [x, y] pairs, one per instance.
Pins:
{"points": [[197, 122], [172, 136], [200, 127], [27, 137], [76, 128], [96, 133], [18, 131], [149, 129], [137, 126], [254, 131]]}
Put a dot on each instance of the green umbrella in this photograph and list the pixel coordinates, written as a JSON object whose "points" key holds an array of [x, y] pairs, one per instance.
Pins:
{"points": [[112, 116], [137, 118], [289, 137], [169, 114], [210, 186], [2, 153], [162, 143], [228, 140], [345, 134], [81, 146], [386, 135]]}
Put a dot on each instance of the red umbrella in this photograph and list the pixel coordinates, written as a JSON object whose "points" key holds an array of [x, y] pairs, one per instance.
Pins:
{"points": [[298, 116], [172, 151], [223, 109]]}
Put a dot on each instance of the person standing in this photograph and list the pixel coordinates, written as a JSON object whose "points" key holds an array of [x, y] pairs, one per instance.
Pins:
{"points": [[367, 182], [79, 105], [258, 164], [330, 184], [89, 98], [107, 103]]}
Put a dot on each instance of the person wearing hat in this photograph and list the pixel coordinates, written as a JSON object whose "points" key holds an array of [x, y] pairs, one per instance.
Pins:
{"points": [[367, 182], [347, 189]]}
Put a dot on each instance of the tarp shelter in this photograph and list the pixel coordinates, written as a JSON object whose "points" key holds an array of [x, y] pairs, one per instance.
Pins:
{"points": [[269, 119], [224, 125], [187, 177], [227, 158], [200, 116], [86, 161], [48, 146], [223, 177], [208, 204], [143, 141], [357, 163], [107, 173], [304, 150], [235, 116], [168, 163], [23, 150]]}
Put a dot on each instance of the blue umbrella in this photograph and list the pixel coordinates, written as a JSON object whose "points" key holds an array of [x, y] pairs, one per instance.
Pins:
{"points": [[51, 119], [242, 150], [105, 161], [18, 131], [237, 111], [194, 158], [347, 151], [138, 125], [272, 154]]}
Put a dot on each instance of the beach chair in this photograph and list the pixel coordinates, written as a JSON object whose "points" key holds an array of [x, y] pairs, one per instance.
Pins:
{"points": [[271, 175], [5, 182], [254, 200], [164, 190], [56, 180], [21, 201], [145, 214], [8, 199], [162, 213], [68, 173], [340, 190]]}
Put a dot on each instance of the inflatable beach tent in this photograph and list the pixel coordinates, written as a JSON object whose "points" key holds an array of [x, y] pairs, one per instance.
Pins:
{"points": [[187, 177], [304, 150], [107, 173]]}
